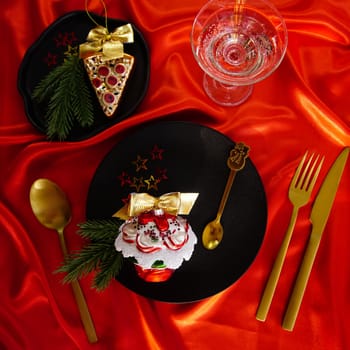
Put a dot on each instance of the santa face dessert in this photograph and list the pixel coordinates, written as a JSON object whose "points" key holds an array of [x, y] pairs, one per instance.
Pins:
{"points": [[158, 241]]}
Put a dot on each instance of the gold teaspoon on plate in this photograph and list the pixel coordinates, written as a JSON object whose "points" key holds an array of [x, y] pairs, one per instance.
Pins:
{"points": [[213, 231], [51, 207]]}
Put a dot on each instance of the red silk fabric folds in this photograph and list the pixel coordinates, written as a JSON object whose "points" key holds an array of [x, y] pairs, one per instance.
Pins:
{"points": [[304, 104]]}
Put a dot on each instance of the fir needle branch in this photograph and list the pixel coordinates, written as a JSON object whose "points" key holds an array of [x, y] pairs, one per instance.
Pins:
{"points": [[60, 117], [68, 98], [81, 103], [99, 255], [100, 229], [108, 270], [48, 85], [88, 259]]}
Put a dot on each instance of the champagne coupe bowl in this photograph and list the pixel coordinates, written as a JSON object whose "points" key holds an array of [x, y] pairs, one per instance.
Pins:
{"points": [[237, 43]]}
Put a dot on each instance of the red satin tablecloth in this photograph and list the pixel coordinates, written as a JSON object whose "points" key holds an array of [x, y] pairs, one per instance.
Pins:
{"points": [[304, 104]]}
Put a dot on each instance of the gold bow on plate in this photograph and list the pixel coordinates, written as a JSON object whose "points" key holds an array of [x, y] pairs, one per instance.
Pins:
{"points": [[100, 40], [173, 203]]}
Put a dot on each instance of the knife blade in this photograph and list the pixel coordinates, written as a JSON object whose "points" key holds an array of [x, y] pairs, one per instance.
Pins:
{"points": [[318, 217]]}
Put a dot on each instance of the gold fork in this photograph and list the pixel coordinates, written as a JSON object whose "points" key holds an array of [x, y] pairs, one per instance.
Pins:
{"points": [[299, 194]]}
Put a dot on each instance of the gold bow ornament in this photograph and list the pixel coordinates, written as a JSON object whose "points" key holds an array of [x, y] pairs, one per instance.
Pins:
{"points": [[172, 203], [111, 45]]}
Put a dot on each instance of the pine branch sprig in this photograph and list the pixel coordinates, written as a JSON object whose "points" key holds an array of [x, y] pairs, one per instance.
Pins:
{"points": [[98, 255], [81, 104], [101, 230], [109, 268], [68, 98]]}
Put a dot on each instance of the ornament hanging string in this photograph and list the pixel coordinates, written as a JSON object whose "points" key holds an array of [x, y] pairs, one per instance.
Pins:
{"points": [[92, 19]]}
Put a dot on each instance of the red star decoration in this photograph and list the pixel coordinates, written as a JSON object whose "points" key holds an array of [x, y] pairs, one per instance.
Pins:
{"points": [[152, 183], [140, 163], [161, 174], [124, 179], [137, 183], [126, 200], [51, 59], [70, 38], [65, 39], [157, 153]]}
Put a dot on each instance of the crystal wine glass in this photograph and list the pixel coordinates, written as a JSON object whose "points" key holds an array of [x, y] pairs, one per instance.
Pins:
{"points": [[237, 43]]}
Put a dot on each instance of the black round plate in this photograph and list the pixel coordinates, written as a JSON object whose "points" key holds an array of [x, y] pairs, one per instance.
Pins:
{"points": [[48, 52], [185, 157]]}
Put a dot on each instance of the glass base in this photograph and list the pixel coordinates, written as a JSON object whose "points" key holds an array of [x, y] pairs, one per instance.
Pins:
{"points": [[226, 95]]}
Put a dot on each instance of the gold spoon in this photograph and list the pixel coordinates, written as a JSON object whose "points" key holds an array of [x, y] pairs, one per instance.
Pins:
{"points": [[213, 231], [52, 209]]}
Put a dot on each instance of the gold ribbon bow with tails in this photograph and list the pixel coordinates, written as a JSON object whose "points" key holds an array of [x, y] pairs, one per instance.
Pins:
{"points": [[100, 40], [173, 203]]}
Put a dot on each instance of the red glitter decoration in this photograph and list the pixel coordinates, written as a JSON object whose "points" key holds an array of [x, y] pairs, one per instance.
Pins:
{"points": [[157, 153], [124, 178]]}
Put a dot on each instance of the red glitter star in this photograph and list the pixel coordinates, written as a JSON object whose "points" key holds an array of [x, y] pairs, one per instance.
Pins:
{"points": [[152, 183], [65, 39], [124, 179], [70, 38], [161, 174], [140, 163], [51, 59], [126, 200], [157, 153]]}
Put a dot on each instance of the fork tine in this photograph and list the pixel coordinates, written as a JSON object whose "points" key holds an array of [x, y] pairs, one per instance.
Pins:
{"points": [[310, 172], [311, 185], [298, 170], [306, 171]]}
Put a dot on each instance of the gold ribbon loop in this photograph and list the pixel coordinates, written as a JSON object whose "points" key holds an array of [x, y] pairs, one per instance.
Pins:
{"points": [[173, 203], [141, 202], [99, 40]]}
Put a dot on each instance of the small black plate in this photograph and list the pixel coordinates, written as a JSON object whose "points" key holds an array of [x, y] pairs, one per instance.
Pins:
{"points": [[186, 157], [48, 52]]}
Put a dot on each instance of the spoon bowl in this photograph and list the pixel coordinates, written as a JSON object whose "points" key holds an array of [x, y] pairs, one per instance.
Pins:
{"points": [[50, 204], [52, 209], [212, 234]]}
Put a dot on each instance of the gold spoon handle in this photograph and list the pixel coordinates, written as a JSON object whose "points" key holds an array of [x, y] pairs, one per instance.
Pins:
{"points": [[80, 299], [236, 162], [226, 193]]}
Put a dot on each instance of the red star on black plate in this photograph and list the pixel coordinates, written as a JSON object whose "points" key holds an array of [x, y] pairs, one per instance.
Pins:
{"points": [[157, 153], [126, 200], [70, 38], [51, 59], [124, 179], [140, 163], [161, 174]]}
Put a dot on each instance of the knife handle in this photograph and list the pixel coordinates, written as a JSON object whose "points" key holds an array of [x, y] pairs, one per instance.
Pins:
{"points": [[301, 283]]}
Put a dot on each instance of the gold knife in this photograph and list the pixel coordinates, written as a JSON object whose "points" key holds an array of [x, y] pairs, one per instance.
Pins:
{"points": [[319, 215]]}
